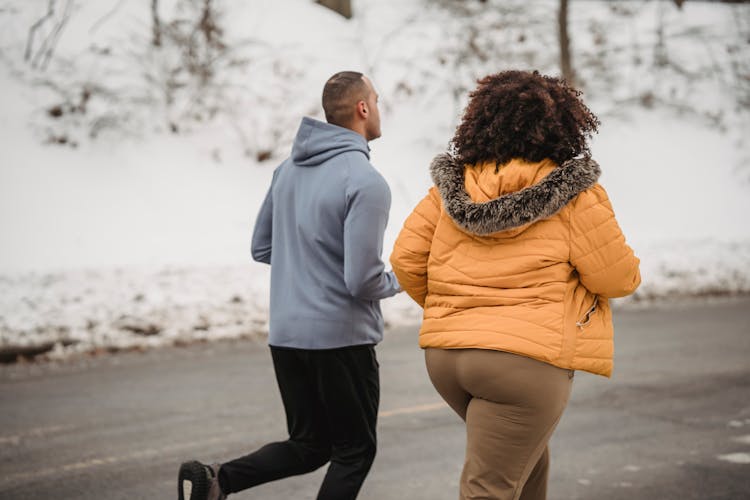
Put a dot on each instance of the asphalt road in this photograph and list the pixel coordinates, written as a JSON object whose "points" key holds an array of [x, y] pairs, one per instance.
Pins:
{"points": [[673, 423]]}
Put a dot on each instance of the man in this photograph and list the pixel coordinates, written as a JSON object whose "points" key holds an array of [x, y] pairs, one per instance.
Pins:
{"points": [[321, 228]]}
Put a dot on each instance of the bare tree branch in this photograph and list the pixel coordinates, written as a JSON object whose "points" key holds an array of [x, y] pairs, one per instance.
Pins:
{"points": [[45, 53], [35, 27], [207, 24], [106, 17]]}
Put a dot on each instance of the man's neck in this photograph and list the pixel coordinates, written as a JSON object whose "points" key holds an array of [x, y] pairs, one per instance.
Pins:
{"points": [[359, 128]]}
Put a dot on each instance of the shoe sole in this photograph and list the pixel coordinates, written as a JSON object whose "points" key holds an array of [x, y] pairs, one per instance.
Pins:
{"points": [[193, 475]]}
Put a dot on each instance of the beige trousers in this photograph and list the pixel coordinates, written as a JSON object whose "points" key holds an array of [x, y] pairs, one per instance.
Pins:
{"points": [[511, 405]]}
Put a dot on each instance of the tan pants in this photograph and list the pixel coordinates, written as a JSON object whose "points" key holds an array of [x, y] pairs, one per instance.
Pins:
{"points": [[511, 405]]}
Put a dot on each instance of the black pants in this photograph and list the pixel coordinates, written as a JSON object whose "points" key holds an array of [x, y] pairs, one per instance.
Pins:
{"points": [[331, 401]]}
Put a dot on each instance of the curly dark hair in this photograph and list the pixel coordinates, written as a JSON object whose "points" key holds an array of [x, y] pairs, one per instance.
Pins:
{"points": [[522, 114]]}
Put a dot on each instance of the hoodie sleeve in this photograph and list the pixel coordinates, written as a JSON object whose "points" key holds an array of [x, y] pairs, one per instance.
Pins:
{"points": [[262, 233], [412, 248], [606, 265], [368, 203]]}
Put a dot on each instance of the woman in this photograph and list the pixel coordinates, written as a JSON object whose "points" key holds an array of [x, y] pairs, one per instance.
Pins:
{"points": [[513, 255]]}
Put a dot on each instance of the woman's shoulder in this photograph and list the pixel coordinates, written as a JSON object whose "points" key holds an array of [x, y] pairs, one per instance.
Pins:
{"points": [[593, 196]]}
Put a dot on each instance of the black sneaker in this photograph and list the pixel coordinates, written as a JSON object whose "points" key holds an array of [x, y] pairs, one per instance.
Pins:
{"points": [[198, 481]]}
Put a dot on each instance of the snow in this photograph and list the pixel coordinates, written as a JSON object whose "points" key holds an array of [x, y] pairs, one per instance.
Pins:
{"points": [[742, 439], [736, 458], [141, 237], [116, 309]]}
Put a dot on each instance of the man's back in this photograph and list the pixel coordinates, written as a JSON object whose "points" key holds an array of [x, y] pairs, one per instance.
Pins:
{"points": [[324, 218]]}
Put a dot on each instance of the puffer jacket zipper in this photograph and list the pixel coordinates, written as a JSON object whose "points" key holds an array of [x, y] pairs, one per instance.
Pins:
{"points": [[587, 316]]}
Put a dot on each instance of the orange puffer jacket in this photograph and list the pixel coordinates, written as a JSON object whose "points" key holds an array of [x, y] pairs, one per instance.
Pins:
{"points": [[520, 258]]}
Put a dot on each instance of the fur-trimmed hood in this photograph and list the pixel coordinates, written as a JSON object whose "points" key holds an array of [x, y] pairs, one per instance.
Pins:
{"points": [[514, 210]]}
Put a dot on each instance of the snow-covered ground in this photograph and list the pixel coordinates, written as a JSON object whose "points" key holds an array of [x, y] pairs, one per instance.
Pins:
{"points": [[141, 237]]}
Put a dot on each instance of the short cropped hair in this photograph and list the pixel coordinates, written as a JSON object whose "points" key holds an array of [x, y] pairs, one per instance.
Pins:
{"points": [[341, 92], [522, 114]]}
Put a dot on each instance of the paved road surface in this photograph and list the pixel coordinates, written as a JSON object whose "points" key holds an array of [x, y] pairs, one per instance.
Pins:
{"points": [[673, 423]]}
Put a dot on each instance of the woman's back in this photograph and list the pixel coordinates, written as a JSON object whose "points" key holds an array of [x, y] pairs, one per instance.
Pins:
{"points": [[515, 279]]}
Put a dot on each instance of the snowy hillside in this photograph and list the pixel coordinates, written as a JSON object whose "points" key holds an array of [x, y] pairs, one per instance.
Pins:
{"points": [[128, 234]]}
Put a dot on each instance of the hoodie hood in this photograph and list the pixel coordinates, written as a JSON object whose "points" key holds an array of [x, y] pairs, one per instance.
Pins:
{"points": [[511, 211], [317, 142]]}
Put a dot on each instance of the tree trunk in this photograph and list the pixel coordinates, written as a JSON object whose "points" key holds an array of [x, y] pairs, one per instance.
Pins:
{"points": [[343, 7], [566, 65], [156, 23]]}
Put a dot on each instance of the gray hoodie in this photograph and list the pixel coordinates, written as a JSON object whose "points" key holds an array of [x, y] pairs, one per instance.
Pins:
{"points": [[321, 228]]}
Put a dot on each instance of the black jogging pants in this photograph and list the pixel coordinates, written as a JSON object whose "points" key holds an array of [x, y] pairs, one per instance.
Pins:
{"points": [[331, 402]]}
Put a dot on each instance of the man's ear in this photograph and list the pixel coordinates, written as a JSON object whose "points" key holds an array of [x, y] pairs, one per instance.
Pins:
{"points": [[362, 109]]}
